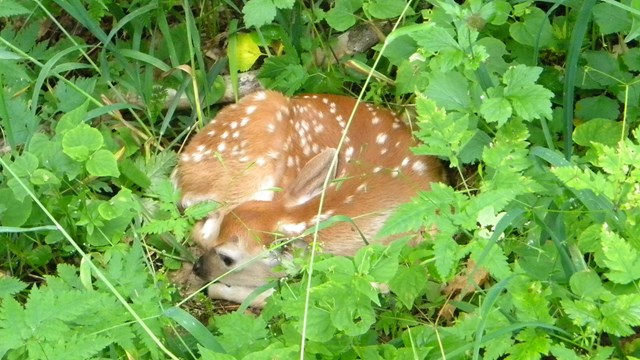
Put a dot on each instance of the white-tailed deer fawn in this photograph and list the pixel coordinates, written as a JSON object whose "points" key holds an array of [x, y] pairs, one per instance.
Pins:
{"points": [[268, 140]]}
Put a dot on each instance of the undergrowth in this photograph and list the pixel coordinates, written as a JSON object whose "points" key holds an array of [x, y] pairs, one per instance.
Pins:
{"points": [[540, 100]]}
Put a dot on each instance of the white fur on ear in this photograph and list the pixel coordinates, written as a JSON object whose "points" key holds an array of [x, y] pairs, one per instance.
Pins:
{"points": [[211, 228]]}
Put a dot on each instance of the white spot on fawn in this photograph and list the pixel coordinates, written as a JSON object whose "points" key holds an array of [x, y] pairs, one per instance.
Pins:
{"points": [[362, 187], [244, 121], [261, 95], [381, 138], [419, 166], [405, 161], [271, 128], [250, 109], [221, 147], [293, 229]]}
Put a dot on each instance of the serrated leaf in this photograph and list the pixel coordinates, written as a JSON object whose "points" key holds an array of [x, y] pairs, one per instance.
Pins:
{"points": [[11, 8], [497, 110], [445, 250], [622, 259], [450, 91], [103, 163], [259, 12], [434, 38], [529, 100], [10, 286], [621, 314], [408, 284], [283, 74], [586, 284]]}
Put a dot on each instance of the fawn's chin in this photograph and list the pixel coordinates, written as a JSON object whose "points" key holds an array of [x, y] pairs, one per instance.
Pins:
{"points": [[238, 294]]}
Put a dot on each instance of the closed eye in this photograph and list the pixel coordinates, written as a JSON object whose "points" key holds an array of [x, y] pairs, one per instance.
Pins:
{"points": [[227, 260]]}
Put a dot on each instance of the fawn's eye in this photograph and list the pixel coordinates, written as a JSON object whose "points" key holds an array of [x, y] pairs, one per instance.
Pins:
{"points": [[227, 260]]}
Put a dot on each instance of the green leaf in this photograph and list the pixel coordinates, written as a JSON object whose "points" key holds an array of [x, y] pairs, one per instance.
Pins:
{"points": [[450, 91], [529, 100], [259, 12], [622, 259], [103, 163], [123, 202], [15, 212], [597, 107], [342, 16], [72, 119], [82, 141], [620, 314], [384, 9], [603, 131], [434, 38], [408, 284], [10, 286], [496, 110], [283, 74], [611, 19], [586, 284], [11, 8], [534, 29], [446, 256], [44, 177]]}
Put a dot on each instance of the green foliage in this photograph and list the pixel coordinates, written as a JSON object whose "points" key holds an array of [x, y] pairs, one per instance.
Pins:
{"points": [[88, 148]]}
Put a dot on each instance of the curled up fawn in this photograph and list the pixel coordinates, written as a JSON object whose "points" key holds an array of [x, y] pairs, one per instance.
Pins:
{"points": [[268, 141]]}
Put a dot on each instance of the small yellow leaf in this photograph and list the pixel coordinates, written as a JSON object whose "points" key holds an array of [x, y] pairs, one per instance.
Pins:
{"points": [[248, 51]]}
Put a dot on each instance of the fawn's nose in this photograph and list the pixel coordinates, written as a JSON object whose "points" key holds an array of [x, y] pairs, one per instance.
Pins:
{"points": [[198, 267]]}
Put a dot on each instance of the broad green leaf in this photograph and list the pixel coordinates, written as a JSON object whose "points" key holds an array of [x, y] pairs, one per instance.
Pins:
{"points": [[597, 107], [533, 30], [450, 91], [586, 284], [385, 9], [601, 131], [82, 141], [123, 202], [13, 212], [72, 119], [611, 19], [283, 73], [103, 163], [248, 51], [342, 16], [44, 177]]}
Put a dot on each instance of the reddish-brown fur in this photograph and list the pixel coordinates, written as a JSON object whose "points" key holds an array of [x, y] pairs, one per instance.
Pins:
{"points": [[275, 141]]}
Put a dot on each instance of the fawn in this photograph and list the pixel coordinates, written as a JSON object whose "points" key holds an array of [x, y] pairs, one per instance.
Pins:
{"points": [[268, 140]]}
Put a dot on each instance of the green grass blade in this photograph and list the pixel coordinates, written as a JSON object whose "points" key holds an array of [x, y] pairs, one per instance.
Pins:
{"points": [[573, 55], [195, 328]]}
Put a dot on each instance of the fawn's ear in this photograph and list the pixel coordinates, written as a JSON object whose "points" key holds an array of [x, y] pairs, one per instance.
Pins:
{"points": [[206, 231], [308, 184]]}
